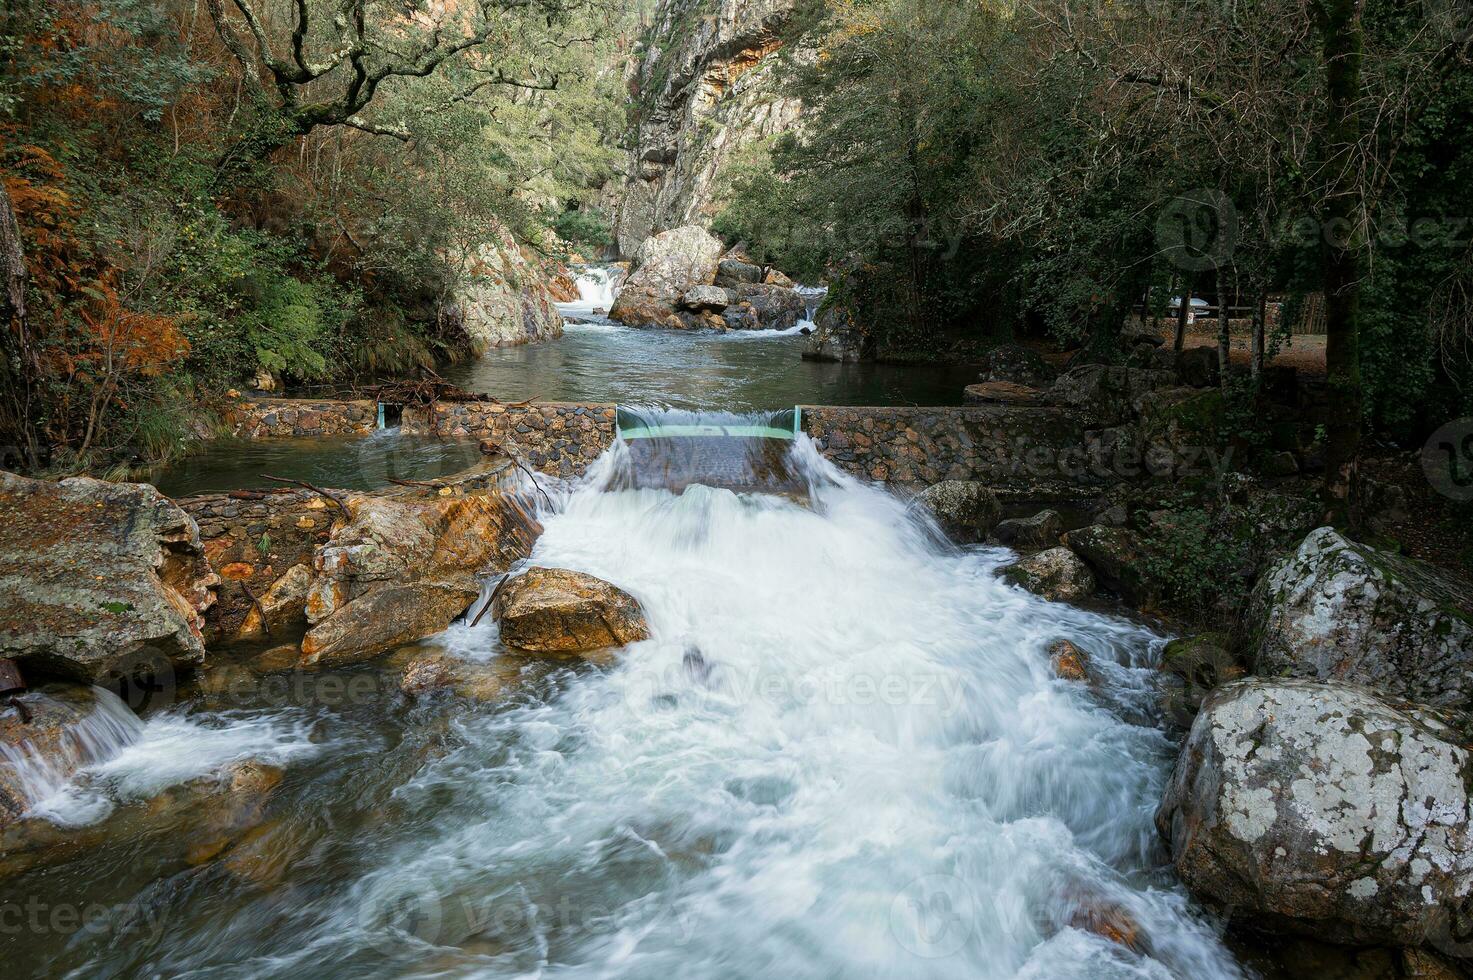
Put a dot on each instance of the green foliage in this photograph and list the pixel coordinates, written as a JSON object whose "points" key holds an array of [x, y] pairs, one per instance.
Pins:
{"points": [[587, 228]]}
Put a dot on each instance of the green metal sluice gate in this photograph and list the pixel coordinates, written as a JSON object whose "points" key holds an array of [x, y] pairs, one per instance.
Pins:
{"points": [[673, 450]]}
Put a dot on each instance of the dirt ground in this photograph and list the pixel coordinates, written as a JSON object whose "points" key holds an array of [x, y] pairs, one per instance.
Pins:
{"points": [[1306, 352]]}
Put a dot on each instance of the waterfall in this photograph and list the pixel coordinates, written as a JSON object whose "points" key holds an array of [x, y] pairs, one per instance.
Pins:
{"points": [[41, 773], [841, 753], [598, 287]]}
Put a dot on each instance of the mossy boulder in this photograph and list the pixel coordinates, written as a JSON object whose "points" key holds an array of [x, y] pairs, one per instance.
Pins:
{"points": [[965, 509], [1056, 574], [1340, 610]]}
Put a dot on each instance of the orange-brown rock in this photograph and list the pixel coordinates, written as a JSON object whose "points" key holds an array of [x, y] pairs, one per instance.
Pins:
{"points": [[558, 611], [1068, 661], [403, 569]]}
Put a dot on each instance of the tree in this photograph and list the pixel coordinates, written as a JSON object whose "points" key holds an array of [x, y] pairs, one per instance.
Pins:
{"points": [[362, 48]]}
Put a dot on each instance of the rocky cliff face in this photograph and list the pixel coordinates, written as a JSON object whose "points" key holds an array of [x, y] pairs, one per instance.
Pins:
{"points": [[507, 296], [705, 86]]}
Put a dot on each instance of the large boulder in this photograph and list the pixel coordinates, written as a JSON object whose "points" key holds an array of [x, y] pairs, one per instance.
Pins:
{"points": [[1035, 533], [733, 271], [400, 569], [838, 336], [1340, 610], [1198, 367], [558, 611], [774, 307], [1114, 553], [965, 509], [506, 297], [1320, 809], [706, 298], [1056, 574], [668, 266], [99, 579]]}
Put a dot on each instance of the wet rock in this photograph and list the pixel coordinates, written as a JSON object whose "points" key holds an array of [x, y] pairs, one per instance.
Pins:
{"points": [[742, 316], [668, 265], [1067, 661], [1198, 665], [402, 569], [1114, 555], [1035, 533], [1016, 364], [838, 336], [558, 611], [98, 578], [1340, 610], [1000, 393], [775, 307], [965, 509], [1056, 574], [429, 673], [1323, 810], [776, 278], [199, 820], [47, 734]]}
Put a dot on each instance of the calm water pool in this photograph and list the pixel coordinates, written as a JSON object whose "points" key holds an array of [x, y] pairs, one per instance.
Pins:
{"points": [[700, 371]]}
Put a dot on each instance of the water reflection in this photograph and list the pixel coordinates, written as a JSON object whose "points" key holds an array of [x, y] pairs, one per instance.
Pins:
{"points": [[738, 371]]}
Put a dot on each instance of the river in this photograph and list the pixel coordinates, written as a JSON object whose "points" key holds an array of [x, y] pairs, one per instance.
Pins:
{"points": [[841, 753]]}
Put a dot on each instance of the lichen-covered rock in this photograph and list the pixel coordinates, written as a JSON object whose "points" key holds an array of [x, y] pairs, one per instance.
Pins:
{"points": [[506, 298], [98, 578], [1320, 809], [1035, 533], [706, 298], [1056, 574], [1115, 555], [558, 611], [668, 266], [838, 336], [402, 569], [1340, 610], [965, 509], [733, 271]]}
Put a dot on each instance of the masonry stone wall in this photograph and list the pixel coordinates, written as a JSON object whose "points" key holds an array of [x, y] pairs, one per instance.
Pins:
{"points": [[1026, 448], [276, 418], [1008, 446], [557, 438]]}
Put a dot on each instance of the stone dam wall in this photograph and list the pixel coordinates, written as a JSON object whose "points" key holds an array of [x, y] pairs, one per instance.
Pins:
{"points": [[1027, 449]]}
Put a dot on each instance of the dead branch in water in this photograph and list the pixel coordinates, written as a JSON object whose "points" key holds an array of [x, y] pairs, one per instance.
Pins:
{"points": [[347, 514], [496, 447]]}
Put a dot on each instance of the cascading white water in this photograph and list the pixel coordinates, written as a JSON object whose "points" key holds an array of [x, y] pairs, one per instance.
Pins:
{"points": [[99, 735], [842, 753], [596, 287]]}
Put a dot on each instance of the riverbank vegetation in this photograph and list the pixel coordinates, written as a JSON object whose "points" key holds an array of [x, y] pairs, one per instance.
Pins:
{"points": [[1059, 168], [200, 192]]}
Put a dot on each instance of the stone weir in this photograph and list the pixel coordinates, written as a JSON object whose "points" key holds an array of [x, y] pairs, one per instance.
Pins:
{"points": [[1035, 450]]}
